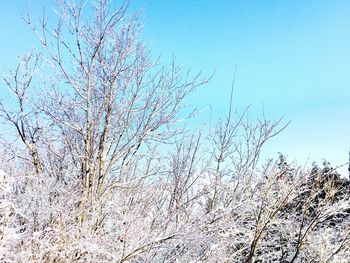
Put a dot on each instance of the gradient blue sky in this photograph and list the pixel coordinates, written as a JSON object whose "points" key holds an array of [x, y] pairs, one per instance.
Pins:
{"points": [[293, 57]]}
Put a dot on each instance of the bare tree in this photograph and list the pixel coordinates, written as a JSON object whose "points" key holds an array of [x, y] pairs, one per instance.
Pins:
{"points": [[106, 98], [24, 119]]}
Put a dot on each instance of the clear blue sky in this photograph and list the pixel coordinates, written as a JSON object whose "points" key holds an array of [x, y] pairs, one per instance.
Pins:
{"points": [[292, 56]]}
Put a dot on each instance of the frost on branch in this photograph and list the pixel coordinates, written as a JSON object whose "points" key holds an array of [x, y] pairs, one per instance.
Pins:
{"points": [[101, 169]]}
